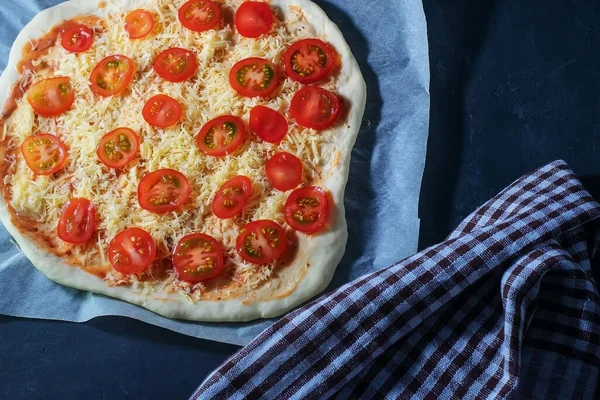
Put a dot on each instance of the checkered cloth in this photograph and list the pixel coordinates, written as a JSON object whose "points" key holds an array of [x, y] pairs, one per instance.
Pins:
{"points": [[506, 307]]}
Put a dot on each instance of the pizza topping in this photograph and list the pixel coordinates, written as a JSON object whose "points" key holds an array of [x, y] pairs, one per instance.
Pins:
{"points": [[131, 251], [284, 171], [268, 124], [118, 147], [254, 77], [197, 257], [253, 19], [306, 209], [232, 197], [162, 111], [139, 23], [112, 75], [45, 154], [261, 242], [199, 15], [77, 38], [315, 107], [77, 221], [176, 64], [163, 190], [221, 136], [308, 60], [51, 97]]}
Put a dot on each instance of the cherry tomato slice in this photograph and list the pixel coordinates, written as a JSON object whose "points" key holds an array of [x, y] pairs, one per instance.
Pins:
{"points": [[306, 209], [163, 190], [118, 147], [44, 154], [162, 111], [176, 64], [77, 38], [199, 15], [131, 251], [268, 124], [51, 97], [221, 136], [139, 23], [254, 77], [260, 242], [315, 107], [253, 19], [197, 257], [232, 197], [284, 171], [308, 60], [77, 221], [112, 75]]}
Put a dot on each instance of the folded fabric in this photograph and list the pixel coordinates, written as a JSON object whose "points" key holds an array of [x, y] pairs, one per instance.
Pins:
{"points": [[506, 307]]}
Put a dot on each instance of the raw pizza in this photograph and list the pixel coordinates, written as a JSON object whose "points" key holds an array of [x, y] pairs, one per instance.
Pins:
{"points": [[186, 156]]}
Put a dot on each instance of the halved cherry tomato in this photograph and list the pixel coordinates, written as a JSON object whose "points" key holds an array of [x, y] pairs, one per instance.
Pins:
{"points": [[77, 38], [284, 171], [44, 154], [232, 197], [308, 60], [221, 136], [197, 257], [199, 15], [139, 23], [118, 147], [253, 19], [112, 75], [261, 242], [315, 107], [306, 209], [268, 124], [162, 111], [254, 77], [163, 190], [77, 221], [131, 251], [51, 97], [176, 64]]}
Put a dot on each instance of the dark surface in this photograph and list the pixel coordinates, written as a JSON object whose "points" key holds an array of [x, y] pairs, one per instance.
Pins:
{"points": [[514, 85]]}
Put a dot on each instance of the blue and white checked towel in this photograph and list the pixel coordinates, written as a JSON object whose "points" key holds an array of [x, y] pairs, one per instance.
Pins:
{"points": [[506, 307]]}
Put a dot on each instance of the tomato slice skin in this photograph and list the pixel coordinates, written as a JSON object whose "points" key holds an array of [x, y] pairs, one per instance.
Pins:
{"points": [[254, 77], [253, 19], [221, 136], [268, 124], [45, 154], [176, 64], [131, 251], [315, 107], [77, 221], [77, 38], [139, 23], [306, 209], [261, 242], [199, 15], [163, 190], [308, 60], [197, 258], [162, 111], [112, 75], [51, 97], [284, 171], [232, 197], [118, 147]]}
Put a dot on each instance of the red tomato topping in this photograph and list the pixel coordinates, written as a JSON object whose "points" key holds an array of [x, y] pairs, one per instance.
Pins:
{"points": [[199, 15], [163, 190], [261, 242], [118, 147], [306, 209], [77, 38], [162, 111], [221, 136], [131, 251], [51, 97], [308, 60], [268, 124], [197, 257], [112, 75], [44, 154], [139, 23], [315, 107], [77, 221], [254, 77], [284, 171], [232, 197], [176, 64], [253, 19]]}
